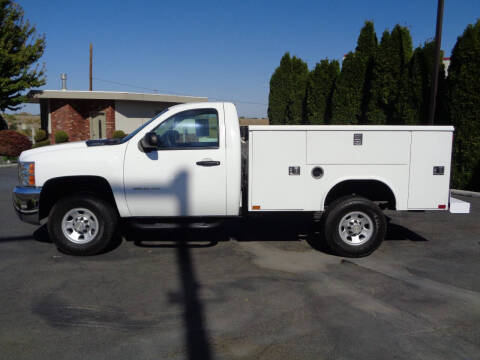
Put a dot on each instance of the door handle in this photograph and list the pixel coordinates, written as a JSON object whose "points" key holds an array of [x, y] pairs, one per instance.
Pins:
{"points": [[208, 163]]}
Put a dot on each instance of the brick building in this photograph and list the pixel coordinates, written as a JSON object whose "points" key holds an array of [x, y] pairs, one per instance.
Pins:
{"points": [[97, 114]]}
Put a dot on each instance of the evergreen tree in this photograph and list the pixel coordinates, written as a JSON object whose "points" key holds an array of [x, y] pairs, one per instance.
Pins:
{"points": [[20, 50], [346, 99], [3, 123], [464, 107], [320, 86], [352, 94], [420, 69], [390, 100], [367, 45], [287, 91]]}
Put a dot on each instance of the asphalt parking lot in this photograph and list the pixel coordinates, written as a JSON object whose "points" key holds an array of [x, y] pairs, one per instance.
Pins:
{"points": [[255, 290]]}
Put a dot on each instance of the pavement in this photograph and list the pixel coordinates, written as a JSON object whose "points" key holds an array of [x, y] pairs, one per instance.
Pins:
{"points": [[258, 289]]}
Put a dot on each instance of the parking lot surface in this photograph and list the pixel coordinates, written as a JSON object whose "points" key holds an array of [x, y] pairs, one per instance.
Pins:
{"points": [[246, 290]]}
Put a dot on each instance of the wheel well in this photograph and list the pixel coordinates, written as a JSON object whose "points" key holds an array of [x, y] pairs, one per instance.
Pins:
{"points": [[373, 190], [55, 189]]}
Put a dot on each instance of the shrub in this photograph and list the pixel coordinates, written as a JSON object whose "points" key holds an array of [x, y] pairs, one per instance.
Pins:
{"points": [[41, 143], [119, 134], [61, 137], [40, 135], [13, 143], [24, 132]]}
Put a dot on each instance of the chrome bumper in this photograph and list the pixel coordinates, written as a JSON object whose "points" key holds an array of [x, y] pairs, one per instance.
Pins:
{"points": [[25, 202]]}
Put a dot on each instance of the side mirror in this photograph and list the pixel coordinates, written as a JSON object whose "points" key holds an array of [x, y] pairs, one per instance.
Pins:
{"points": [[149, 142]]}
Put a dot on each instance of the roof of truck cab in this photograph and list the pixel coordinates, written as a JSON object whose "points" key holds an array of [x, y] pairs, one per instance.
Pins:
{"points": [[350, 128]]}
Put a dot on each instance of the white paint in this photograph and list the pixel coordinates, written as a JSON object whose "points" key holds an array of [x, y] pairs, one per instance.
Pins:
{"points": [[169, 183], [76, 159], [429, 149], [458, 206], [232, 159], [401, 157], [273, 152], [378, 147]]}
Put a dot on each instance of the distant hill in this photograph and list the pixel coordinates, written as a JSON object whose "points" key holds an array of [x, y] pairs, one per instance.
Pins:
{"points": [[253, 121], [16, 121]]}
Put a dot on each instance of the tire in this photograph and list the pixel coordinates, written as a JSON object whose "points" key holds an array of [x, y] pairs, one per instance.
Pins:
{"points": [[82, 225], [354, 226]]}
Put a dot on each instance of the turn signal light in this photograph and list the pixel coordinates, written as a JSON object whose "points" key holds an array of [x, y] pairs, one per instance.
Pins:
{"points": [[31, 174], [256, 207]]}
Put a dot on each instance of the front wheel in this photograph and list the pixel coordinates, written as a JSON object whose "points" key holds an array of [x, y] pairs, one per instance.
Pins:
{"points": [[354, 226], [82, 224]]}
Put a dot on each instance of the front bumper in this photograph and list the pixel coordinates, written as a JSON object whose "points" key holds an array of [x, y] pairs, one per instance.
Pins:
{"points": [[26, 203]]}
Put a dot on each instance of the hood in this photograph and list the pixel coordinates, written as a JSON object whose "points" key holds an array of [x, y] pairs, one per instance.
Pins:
{"points": [[50, 148]]}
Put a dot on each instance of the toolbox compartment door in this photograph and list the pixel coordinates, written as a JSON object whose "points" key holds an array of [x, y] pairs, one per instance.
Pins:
{"points": [[277, 170]]}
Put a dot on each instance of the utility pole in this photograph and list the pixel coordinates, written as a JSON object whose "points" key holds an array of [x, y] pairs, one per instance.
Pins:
{"points": [[436, 67], [91, 70]]}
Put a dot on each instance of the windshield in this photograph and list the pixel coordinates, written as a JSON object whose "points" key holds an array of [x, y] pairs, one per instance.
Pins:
{"points": [[135, 132]]}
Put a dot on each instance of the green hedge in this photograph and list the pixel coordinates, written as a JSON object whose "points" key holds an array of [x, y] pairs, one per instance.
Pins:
{"points": [[61, 137], [40, 135], [119, 134], [41, 143]]}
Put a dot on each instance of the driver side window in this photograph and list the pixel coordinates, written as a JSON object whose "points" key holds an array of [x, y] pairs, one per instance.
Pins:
{"points": [[191, 129]]}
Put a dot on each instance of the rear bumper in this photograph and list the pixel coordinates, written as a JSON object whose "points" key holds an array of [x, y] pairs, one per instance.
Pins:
{"points": [[26, 203]]}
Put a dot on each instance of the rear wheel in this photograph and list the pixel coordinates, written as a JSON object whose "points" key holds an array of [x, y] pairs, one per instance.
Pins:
{"points": [[354, 226], [82, 224]]}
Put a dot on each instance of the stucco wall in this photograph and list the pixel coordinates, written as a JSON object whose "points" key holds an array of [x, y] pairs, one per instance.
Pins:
{"points": [[131, 114]]}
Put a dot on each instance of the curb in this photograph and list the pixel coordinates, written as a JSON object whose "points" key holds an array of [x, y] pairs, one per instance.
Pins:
{"points": [[7, 165], [465, 193]]}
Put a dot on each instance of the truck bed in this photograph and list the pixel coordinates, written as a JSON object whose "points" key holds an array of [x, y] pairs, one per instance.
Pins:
{"points": [[413, 161]]}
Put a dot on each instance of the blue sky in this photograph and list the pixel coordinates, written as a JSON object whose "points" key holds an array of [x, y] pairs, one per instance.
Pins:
{"points": [[220, 49]]}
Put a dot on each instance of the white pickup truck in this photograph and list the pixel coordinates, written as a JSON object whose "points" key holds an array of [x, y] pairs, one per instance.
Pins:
{"points": [[188, 162]]}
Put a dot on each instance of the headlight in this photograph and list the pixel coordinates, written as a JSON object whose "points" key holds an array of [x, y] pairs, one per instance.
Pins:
{"points": [[26, 173]]}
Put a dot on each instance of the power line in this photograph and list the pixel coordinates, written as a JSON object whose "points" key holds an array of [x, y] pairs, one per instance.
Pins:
{"points": [[175, 93], [124, 84]]}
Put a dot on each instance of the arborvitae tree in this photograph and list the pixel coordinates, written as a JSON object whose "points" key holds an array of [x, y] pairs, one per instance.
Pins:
{"points": [[20, 50], [320, 86], [420, 69], [464, 107], [346, 99], [367, 45], [403, 110], [287, 91], [389, 102], [352, 91]]}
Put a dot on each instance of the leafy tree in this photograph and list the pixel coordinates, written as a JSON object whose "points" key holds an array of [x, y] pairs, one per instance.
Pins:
{"points": [[464, 107], [12, 143], [390, 101], [287, 91], [352, 92], [320, 86], [3, 123], [20, 50]]}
